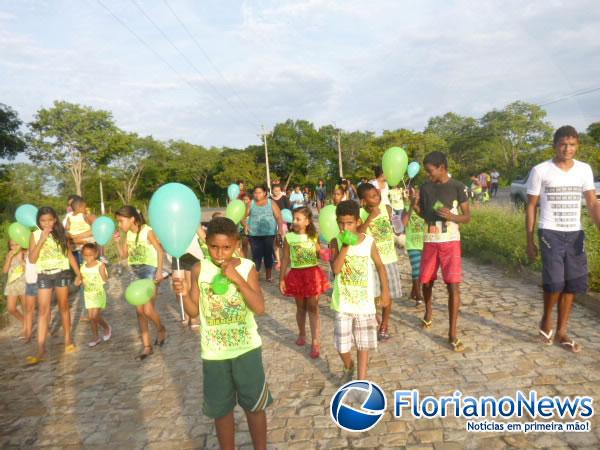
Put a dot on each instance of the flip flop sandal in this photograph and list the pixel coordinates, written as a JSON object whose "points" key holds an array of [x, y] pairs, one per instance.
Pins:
{"points": [[301, 341], [457, 346], [426, 324], [571, 345], [33, 360], [94, 343], [546, 337], [70, 348]]}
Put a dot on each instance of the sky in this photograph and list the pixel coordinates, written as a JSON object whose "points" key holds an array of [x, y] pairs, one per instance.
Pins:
{"points": [[213, 72]]}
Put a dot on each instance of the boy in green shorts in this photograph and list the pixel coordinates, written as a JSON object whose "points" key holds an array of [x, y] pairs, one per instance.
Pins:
{"points": [[353, 297], [231, 346]]}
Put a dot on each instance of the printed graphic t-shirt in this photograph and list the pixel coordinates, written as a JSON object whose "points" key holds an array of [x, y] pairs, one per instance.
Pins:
{"points": [[560, 194], [451, 194]]}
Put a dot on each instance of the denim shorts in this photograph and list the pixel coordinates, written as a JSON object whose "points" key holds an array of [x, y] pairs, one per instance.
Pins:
{"points": [[31, 289], [564, 261], [54, 280], [143, 271]]}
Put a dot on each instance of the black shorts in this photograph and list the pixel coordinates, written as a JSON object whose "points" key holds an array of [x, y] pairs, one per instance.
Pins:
{"points": [[564, 261], [186, 262], [54, 280]]}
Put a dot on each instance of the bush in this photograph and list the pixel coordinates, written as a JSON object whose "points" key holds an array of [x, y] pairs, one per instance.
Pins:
{"points": [[497, 235]]}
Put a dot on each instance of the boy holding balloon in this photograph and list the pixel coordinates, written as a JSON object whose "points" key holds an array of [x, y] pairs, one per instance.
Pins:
{"points": [[444, 204], [231, 346]]}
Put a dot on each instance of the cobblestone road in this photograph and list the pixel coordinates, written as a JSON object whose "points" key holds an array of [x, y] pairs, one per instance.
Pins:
{"points": [[103, 398]]}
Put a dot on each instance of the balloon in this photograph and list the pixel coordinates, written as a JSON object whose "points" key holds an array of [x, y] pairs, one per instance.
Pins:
{"points": [[364, 215], [140, 292], [27, 215], [287, 216], [233, 191], [394, 164], [20, 234], [103, 229], [174, 215], [348, 238], [413, 169], [236, 210], [220, 284], [328, 223]]}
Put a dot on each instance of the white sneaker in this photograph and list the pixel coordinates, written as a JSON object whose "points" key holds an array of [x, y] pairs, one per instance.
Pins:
{"points": [[94, 343]]}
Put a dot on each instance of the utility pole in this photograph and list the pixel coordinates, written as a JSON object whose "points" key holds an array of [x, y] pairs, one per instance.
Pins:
{"points": [[339, 139], [264, 136], [101, 194]]}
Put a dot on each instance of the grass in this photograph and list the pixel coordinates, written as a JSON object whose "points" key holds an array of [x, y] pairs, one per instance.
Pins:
{"points": [[497, 235]]}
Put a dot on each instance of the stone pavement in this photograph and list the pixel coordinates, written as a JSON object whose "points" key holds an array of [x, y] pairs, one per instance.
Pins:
{"points": [[104, 398]]}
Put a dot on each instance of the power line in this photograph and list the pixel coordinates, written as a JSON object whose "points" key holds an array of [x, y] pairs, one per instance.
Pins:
{"points": [[571, 95], [206, 56], [183, 55], [155, 53]]}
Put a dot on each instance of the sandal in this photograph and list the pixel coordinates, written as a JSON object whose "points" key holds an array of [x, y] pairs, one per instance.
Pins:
{"points": [[383, 334], [301, 341], [108, 335], [70, 348], [426, 324], [163, 332], [347, 374], [144, 354], [546, 337], [315, 352], [457, 345], [571, 345], [33, 360]]}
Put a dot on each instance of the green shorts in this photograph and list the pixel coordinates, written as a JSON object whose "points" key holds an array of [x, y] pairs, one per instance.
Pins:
{"points": [[237, 380]]}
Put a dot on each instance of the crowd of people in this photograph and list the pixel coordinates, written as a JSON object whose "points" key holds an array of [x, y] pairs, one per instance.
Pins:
{"points": [[361, 272]]}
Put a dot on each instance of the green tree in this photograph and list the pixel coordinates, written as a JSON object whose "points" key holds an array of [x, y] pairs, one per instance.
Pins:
{"points": [[73, 137], [193, 164], [11, 139], [239, 165], [593, 130]]}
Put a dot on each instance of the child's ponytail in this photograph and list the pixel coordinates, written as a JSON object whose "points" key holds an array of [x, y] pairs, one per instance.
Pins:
{"points": [[129, 212]]}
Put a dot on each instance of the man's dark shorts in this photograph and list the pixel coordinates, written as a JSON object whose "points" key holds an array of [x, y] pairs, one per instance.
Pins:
{"points": [[564, 261]]}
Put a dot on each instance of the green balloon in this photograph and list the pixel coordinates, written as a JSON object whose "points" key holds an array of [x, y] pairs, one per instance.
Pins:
{"points": [[20, 234], [220, 284], [364, 215], [328, 223], [394, 163], [349, 238], [235, 211], [140, 292]]}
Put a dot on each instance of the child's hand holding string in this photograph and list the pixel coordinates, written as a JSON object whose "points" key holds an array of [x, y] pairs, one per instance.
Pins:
{"points": [[180, 285]]}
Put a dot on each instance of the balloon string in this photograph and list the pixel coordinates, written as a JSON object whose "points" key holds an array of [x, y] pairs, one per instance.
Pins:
{"points": [[181, 295]]}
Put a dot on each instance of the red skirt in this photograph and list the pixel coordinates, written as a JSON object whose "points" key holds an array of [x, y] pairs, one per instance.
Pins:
{"points": [[308, 282]]}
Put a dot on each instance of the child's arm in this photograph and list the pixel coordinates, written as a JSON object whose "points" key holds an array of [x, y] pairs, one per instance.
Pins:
{"points": [[73, 263], [9, 257], [103, 272], [373, 212], [333, 248], [389, 211], [250, 289], [160, 254], [338, 262], [278, 219], [465, 217], [285, 258], [34, 248], [383, 279], [121, 249], [318, 247], [190, 294]]}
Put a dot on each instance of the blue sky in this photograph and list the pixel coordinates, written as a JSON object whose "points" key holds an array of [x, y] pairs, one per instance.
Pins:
{"points": [[359, 64]]}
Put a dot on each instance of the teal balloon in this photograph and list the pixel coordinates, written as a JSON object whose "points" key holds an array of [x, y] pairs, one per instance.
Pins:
{"points": [[394, 163], [103, 229], [174, 216], [413, 169], [287, 216], [236, 210], [233, 191], [328, 223], [27, 215], [20, 234], [220, 284], [140, 292]]}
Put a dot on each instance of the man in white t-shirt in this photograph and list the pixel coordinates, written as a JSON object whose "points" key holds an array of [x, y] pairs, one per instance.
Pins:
{"points": [[558, 186], [381, 184], [495, 176]]}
